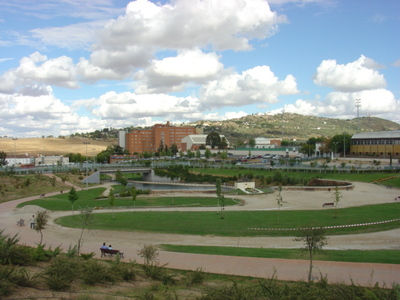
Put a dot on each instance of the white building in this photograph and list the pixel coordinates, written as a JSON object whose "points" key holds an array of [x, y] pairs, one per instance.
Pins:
{"points": [[194, 141], [266, 143], [17, 160]]}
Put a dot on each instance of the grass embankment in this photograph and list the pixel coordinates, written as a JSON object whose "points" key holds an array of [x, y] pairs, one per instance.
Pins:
{"points": [[365, 256], [367, 177], [93, 198], [237, 223]]}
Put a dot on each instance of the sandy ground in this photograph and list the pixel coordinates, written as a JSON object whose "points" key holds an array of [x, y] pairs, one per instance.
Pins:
{"points": [[131, 242]]}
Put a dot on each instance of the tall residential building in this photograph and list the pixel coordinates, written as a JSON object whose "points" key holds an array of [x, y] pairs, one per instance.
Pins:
{"points": [[148, 140]]}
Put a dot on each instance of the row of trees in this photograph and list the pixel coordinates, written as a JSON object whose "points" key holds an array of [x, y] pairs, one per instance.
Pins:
{"points": [[339, 143]]}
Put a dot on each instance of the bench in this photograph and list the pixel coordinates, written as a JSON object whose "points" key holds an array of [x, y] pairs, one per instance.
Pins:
{"points": [[21, 223], [110, 252], [328, 204]]}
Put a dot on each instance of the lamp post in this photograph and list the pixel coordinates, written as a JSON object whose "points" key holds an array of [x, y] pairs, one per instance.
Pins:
{"points": [[344, 145], [86, 143], [335, 148]]}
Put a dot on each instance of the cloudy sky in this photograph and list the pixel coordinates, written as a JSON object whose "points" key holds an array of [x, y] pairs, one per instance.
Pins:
{"points": [[71, 66]]}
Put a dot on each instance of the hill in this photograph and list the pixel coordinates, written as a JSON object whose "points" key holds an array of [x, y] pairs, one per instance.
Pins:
{"points": [[53, 146], [293, 126]]}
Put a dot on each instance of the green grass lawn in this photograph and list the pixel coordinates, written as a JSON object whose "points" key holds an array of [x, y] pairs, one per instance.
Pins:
{"points": [[365, 256], [237, 223], [90, 198], [368, 177]]}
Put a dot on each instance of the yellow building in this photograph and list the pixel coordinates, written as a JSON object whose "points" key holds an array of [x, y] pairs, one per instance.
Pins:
{"points": [[380, 144]]}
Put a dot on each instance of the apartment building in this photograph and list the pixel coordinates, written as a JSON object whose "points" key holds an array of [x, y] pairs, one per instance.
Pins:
{"points": [[149, 140]]}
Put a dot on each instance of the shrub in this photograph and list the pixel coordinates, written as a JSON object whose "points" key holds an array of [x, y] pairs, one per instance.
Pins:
{"points": [[197, 277], [61, 272]]}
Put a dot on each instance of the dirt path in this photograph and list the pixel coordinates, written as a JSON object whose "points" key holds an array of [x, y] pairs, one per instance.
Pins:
{"points": [[131, 242]]}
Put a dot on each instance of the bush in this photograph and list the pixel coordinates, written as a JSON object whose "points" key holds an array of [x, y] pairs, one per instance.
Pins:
{"points": [[94, 272], [197, 277], [61, 272]]}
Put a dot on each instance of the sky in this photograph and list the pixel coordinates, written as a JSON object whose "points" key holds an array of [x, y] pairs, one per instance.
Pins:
{"points": [[69, 66]]}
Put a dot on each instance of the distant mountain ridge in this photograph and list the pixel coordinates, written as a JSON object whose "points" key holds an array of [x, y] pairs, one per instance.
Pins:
{"points": [[291, 126]]}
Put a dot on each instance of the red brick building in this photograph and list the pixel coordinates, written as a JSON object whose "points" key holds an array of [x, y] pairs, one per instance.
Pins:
{"points": [[148, 140]]}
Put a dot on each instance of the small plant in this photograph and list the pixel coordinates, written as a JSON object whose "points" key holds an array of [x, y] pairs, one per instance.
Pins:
{"points": [[197, 277], [87, 256]]}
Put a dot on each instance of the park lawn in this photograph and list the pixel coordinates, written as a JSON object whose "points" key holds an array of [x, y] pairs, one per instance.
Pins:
{"points": [[90, 198], [362, 256], [366, 177], [240, 223]]}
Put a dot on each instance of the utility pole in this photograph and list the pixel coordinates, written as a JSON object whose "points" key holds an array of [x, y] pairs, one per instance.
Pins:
{"points": [[358, 104], [86, 143], [15, 151]]}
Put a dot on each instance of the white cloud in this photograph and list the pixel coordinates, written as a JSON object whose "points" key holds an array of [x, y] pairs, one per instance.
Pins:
{"points": [[352, 77], [172, 73], [74, 36], [342, 105], [129, 105], [224, 24], [37, 69], [257, 85]]}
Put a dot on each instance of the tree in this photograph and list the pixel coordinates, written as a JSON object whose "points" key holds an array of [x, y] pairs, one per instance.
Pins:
{"points": [[337, 195], [174, 149], [213, 139], [87, 219], [220, 196], [120, 178], [207, 153], [314, 239], [133, 195], [40, 223], [198, 153], [279, 201], [72, 197], [3, 157], [252, 143], [111, 199], [223, 144]]}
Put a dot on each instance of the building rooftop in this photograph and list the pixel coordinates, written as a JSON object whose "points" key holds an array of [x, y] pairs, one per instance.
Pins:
{"points": [[378, 135]]}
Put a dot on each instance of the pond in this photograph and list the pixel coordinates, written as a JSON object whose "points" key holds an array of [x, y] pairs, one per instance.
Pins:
{"points": [[174, 187]]}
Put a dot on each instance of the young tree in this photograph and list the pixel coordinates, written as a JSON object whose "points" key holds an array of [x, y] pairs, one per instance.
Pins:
{"points": [[207, 153], [40, 223], [111, 199], [279, 201], [87, 220], [3, 157], [133, 195], [314, 239], [252, 143], [337, 195], [119, 177], [72, 197]]}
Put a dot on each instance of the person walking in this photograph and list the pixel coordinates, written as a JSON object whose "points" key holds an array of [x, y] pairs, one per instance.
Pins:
{"points": [[33, 221]]}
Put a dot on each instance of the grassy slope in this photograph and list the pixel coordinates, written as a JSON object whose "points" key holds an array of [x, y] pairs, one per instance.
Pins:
{"points": [[237, 223], [366, 256]]}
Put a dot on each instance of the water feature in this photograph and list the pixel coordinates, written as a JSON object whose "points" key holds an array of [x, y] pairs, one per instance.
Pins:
{"points": [[174, 187]]}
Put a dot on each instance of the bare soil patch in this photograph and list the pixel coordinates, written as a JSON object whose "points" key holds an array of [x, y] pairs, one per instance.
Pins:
{"points": [[53, 146]]}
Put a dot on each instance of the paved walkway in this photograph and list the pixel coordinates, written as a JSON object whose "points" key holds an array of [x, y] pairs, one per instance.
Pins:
{"points": [[130, 242]]}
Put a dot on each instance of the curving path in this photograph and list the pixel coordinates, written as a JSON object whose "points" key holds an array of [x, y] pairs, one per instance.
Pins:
{"points": [[130, 242]]}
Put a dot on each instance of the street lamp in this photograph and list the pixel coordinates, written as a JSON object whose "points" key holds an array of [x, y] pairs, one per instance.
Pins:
{"points": [[86, 143], [335, 148], [344, 145]]}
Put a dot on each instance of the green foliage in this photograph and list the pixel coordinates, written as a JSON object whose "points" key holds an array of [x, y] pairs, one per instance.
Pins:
{"points": [[213, 139], [72, 197], [61, 272], [197, 276], [95, 272]]}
